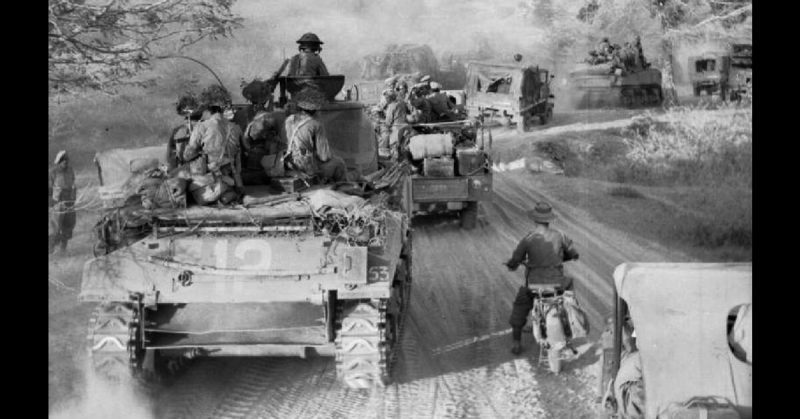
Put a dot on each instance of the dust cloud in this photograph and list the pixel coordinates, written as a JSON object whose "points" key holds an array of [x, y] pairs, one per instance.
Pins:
{"points": [[351, 29], [103, 400]]}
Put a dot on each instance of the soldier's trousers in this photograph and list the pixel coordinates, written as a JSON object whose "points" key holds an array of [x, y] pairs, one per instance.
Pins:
{"points": [[62, 222]]}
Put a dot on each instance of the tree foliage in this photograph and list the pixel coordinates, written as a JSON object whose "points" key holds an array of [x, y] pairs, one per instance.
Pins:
{"points": [[100, 45]]}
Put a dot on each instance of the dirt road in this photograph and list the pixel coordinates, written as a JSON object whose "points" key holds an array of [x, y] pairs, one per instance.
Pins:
{"points": [[455, 359]]}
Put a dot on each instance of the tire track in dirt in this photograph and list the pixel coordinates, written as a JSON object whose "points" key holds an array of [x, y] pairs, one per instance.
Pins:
{"points": [[454, 358]]}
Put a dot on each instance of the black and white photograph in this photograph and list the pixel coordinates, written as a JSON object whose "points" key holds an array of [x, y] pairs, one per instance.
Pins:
{"points": [[400, 209]]}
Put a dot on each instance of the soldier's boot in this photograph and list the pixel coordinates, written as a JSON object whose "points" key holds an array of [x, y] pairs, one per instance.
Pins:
{"points": [[53, 242], [516, 347], [63, 246]]}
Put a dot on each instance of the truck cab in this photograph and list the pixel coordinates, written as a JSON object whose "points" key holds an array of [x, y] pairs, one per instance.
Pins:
{"points": [[515, 92]]}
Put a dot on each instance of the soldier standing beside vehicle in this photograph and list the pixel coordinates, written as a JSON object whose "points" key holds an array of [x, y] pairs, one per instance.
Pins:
{"points": [[308, 62], [62, 202], [394, 126], [308, 150], [543, 252]]}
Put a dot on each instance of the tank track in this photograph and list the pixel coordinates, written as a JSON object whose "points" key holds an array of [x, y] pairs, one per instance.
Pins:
{"points": [[115, 340], [369, 333], [116, 343]]}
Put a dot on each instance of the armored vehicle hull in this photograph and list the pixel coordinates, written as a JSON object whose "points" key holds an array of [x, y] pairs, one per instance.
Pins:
{"points": [[597, 86], [313, 272]]}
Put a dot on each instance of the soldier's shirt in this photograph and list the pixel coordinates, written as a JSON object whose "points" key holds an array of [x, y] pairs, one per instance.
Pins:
{"points": [[62, 184], [209, 138], [395, 113], [307, 64], [440, 103], [543, 252], [308, 142]]}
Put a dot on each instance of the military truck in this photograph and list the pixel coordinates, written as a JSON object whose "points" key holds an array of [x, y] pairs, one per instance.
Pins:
{"points": [[602, 85], [283, 274], [728, 74], [451, 168], [680, 341], [516, 93]]}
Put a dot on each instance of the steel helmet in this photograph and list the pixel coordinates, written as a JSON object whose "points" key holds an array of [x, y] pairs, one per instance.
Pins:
{"points": [[309, 38]]}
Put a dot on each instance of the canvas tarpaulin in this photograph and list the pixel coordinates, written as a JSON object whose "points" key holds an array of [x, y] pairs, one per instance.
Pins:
{"points": [[117, 165], [680, 313]]}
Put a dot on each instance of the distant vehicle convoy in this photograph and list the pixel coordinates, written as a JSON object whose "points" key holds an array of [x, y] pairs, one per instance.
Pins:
{"points": [[515, 93], [728, 74]]}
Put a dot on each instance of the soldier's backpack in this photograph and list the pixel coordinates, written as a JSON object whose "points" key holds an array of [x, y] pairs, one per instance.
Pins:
{"points": [[577, 319]]}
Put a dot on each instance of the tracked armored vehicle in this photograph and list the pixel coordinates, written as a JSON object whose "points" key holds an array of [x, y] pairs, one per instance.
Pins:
{"points": [[300, 273], [599, 86]]}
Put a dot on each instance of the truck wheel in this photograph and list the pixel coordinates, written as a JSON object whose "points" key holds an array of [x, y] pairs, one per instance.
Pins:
{"points": [[469, 216]]}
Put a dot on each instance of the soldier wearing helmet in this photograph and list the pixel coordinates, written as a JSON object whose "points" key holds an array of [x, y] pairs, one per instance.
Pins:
{"points": [[308, 62]]}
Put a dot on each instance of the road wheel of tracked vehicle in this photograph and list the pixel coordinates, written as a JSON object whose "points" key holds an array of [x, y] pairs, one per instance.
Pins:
{"points": [[469, 216], [114, 343]]}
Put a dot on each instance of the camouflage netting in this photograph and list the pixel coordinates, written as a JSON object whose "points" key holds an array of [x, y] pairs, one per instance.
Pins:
{"points": [[215, 95]]}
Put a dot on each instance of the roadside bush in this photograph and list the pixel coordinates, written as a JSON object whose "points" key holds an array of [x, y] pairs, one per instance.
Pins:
{"points": [[561, 154], [727, 219], [691, 148]]}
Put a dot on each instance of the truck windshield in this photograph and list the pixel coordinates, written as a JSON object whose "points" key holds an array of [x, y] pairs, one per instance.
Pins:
{"points": [[702, 66]]}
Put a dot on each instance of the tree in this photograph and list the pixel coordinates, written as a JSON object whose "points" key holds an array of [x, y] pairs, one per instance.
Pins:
{"points": [[100, 46]]}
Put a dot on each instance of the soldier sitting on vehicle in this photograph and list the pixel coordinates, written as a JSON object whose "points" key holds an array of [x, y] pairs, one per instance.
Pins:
{"points": [[420, 108], [179, 137], [211, 157], [394, 125], [543, 252], [308, 62], [309, 152], [441, 106], [62, 202]]}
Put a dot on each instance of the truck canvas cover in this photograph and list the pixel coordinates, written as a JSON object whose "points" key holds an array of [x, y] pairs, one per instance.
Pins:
{"points": [[680, 312]]}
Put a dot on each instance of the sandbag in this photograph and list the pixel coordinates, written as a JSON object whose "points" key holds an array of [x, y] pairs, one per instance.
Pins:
{"points": [[431, 145], [576, 317]]}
